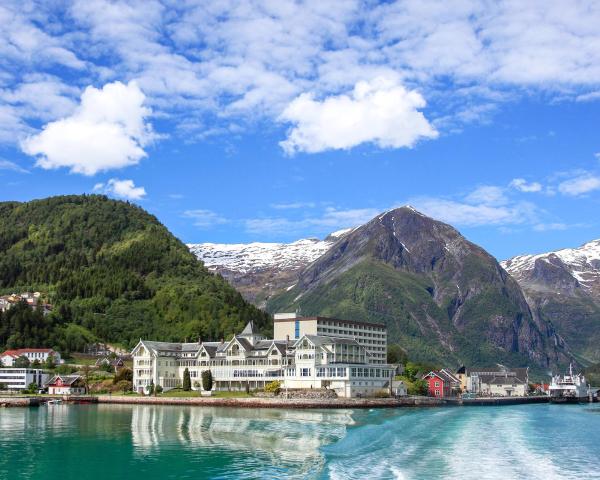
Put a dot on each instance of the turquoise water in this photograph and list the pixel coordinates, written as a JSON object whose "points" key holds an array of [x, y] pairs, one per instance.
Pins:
{"points": [[152, 442]]}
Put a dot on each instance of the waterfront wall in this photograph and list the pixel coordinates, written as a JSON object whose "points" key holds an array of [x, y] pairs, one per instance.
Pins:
{"points": [[277, 402]]}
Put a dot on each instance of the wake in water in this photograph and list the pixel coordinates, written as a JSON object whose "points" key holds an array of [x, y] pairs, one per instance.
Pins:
{"points": [[529, 441]]}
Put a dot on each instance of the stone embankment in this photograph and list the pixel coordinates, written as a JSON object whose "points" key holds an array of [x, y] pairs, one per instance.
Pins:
{"points": [[276, 402], [19, 401]]}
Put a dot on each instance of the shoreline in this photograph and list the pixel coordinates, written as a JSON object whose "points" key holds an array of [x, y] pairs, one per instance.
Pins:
{"points": [[297, 403]]}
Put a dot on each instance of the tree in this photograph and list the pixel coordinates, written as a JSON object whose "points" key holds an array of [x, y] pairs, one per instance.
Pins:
{"points": [[123, 374], [150, 388], [50, 363], [86, 377], [157, 390], [396, 354], [207, 380], [187, 381], [22, 362]]}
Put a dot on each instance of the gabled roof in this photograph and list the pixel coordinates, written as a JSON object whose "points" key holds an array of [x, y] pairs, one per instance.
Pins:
{"points": [[66, 379], [443, 375]]}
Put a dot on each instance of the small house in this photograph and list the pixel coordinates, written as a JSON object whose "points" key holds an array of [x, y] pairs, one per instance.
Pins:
{"points": [[442, 383], [66, 385]]}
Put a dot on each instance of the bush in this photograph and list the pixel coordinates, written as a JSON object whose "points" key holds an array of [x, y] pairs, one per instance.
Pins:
{"points": [[207, 380], [124, 386], [158, 389], [273, 387], [124, 374], [381, 394]]}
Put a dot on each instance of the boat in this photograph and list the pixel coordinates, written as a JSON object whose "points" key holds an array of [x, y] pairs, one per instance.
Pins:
{"points": [[569, 388], [56, 401]]}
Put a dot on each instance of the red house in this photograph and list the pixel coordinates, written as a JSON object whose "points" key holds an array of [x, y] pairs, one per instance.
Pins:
{"points": [[442, 383]]}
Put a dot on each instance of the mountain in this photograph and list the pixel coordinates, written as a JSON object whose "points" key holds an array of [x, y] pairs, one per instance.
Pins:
{"points": [[113, 272], [563, 287], [442, 297], [258, 270]]}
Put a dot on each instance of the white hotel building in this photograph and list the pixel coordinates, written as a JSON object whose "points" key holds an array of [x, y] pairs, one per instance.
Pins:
{"points": [[309, 361]]}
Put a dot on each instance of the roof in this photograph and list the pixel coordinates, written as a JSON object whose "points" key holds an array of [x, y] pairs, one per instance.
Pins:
{"points": [[329, 319], [22, 351], [443, 375], [249, 329], [319, 340], [66, 379], [522, 373], [504, 380]]}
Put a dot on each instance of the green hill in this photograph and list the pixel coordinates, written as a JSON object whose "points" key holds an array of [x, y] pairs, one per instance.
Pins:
{"points": [[112, 272]]}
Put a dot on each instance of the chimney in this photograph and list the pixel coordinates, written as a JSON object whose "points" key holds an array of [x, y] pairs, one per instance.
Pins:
{"points": [[222, 341], [287, 339], [199, 340]]}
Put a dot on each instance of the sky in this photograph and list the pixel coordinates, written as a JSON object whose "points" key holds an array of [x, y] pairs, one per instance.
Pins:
{"points": [[238, 121]]}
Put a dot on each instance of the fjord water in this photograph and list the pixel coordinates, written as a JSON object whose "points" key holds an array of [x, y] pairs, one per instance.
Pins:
{"points": [[152, 442]]}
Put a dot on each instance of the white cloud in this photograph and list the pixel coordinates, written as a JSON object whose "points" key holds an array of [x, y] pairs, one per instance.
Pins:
{"points": [[380, 112], [292, 205], [580, 185], [545, 227], [121, 188], [245, 61], [326, 222], [12, 166], [523, 186], [107, 131], [460, 213], [487, 195], [205, 218]]}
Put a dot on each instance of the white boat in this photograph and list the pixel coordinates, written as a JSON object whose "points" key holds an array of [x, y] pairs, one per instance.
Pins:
{"points": [[569, 388]]}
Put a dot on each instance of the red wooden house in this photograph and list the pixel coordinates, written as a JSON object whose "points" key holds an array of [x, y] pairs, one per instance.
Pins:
{"points": [[442, 383]]}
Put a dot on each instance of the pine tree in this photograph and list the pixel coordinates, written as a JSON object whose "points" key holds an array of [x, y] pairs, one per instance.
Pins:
{"points": [[187, 381], [207, 380]]}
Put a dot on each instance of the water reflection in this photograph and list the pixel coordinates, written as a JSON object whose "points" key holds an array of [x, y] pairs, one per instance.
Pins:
{"points": [[289, 436]]}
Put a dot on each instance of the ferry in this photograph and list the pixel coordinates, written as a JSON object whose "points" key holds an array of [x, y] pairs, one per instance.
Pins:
{"points": [[570, 388]]}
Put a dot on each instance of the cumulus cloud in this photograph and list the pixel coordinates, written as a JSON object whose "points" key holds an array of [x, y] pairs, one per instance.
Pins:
{"points": [[217, 63], [121, 188], [205, 218], [523, 186], [108, 130], [580, 185], [380, 112]]}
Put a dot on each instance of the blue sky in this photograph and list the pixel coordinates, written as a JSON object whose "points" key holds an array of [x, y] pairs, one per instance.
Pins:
{"points": [[272, 121]]}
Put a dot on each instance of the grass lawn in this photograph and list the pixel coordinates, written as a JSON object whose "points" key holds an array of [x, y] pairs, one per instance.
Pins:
{"points": [[80, 359], [182, 394]]}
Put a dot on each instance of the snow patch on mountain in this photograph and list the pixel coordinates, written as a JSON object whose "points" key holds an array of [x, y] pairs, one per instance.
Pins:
{"points": [[258, 256], [583, 262]]}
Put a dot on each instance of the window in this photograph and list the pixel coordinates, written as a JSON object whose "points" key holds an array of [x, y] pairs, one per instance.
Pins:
{"points": [[437, 393], [297, 329], [437, 384], [305, 372]]}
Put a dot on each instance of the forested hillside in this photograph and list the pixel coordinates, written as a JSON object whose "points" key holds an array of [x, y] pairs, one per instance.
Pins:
{"points": [[112, 269]]}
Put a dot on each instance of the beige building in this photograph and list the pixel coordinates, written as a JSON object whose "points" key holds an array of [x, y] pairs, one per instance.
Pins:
{"points": [[372, 336]]}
